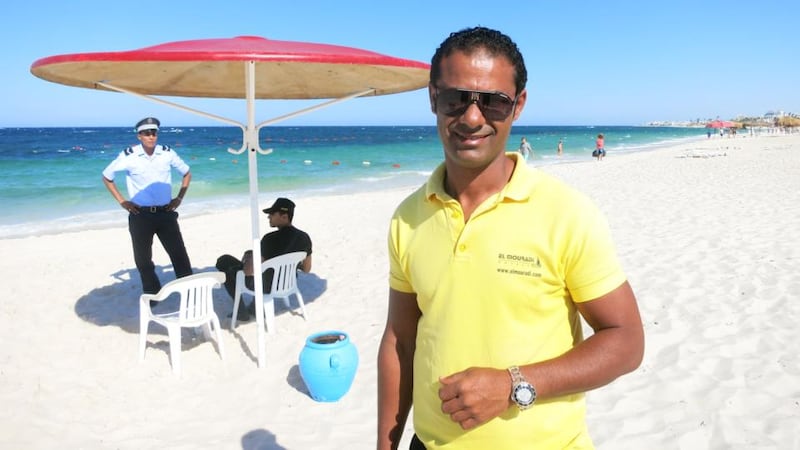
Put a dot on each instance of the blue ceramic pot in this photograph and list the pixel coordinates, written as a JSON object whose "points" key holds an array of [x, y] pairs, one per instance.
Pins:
{"points": [[328, 364]]}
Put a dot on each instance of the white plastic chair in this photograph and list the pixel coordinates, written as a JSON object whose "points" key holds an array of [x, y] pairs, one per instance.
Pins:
{"points": [[196, 309], [284, 284]]}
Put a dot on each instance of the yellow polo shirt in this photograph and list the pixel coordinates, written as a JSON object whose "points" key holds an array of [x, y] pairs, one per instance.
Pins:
{"points": [[499, 291]]}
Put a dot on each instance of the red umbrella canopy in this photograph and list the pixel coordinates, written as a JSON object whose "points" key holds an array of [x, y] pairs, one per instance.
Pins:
{"points": [[214, 68], [720, 124]]}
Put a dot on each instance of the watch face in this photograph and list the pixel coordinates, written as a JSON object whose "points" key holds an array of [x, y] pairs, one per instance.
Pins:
{"points": [[523, 394]]}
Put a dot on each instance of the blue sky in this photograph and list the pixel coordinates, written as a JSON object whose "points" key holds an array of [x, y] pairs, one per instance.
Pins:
{"points": [[603, 63]]}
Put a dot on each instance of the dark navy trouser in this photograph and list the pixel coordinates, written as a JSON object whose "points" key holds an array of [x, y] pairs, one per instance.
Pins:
{"points": [[164, 224]]}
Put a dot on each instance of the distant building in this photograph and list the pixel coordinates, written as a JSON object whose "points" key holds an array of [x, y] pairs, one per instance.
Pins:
{"points": [[768, 119], [771, 115]]}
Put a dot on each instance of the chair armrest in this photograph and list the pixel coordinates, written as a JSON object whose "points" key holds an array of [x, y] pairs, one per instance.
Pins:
{"points": [[154, 297], [144, 302]]}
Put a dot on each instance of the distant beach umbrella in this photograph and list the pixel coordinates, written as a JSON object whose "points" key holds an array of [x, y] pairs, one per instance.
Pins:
{"points": [[720, 124], [246, 67]]}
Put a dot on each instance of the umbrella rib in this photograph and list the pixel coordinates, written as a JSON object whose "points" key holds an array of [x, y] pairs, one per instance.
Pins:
{"points": [[168, 103], [313, 108], [233, 122]]}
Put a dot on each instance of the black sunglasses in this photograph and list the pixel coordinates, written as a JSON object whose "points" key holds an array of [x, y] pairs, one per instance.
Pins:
{"points": [[493, 105], [149, 132]]}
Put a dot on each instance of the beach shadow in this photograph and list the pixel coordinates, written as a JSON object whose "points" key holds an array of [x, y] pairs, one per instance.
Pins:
{"points": [[117, 304], [295, 380], [260, 440], [310, 285], [243, 345]]}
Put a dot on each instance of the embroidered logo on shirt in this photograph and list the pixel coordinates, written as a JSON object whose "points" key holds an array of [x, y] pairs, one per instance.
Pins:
{"points": [[524, 265]]}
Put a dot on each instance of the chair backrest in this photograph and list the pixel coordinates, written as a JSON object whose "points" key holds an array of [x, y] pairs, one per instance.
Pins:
{"points": [[284, 277], [196, 293]]}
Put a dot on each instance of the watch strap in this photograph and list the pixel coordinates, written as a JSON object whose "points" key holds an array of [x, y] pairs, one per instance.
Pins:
{"points": [[516, 375]]}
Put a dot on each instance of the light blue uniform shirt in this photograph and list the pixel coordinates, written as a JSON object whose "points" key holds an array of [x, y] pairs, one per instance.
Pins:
{"points": [[149, 177]]}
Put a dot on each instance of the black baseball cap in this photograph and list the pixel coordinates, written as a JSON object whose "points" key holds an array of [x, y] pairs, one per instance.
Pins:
{"points": [[281, 204]]}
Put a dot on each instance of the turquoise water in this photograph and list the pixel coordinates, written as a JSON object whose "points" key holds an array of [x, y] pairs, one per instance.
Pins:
{"points": [[51, 177]]}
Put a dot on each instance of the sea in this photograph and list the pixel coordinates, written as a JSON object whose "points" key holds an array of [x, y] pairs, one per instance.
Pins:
{"points": [[50, 178]]}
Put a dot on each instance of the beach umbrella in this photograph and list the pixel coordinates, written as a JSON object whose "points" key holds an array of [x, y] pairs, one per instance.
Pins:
{"points": [[720, 124], [244, 67]]}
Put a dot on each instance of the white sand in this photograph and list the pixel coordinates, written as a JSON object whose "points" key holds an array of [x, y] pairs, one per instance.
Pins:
{"points": [[708, 233]]}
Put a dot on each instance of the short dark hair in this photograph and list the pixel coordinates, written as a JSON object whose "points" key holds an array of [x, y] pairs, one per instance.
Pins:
{"points": [[469, 40]]}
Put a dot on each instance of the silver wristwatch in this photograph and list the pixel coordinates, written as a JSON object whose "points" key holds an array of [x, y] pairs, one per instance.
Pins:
{"points": [[522, 392]]}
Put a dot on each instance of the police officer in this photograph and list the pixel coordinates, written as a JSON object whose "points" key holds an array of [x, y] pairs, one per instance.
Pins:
{"points": [[152, 209]]}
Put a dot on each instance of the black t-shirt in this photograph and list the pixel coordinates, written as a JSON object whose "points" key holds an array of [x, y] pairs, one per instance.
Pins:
{"points": [[280, 242], [285, 240]]}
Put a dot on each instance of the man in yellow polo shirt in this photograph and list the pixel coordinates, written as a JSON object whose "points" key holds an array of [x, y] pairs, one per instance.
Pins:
{"points": [[492, 264]]}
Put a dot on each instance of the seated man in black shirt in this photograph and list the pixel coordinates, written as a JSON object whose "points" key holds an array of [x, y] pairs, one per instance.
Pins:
{"points": [[286, 239]]}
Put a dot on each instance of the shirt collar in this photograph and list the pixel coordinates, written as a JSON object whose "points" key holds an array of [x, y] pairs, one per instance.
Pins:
{"points": [[518, 188], [140, 149]]}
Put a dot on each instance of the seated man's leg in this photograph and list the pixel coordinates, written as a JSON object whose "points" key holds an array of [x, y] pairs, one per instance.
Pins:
{"points": [[229, 265]]}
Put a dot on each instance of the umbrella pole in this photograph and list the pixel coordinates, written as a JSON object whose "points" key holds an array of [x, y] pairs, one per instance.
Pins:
{"points": [[251, 140]]}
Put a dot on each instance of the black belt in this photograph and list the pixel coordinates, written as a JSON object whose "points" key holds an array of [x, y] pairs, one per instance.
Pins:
{"points": [[153, 209]]}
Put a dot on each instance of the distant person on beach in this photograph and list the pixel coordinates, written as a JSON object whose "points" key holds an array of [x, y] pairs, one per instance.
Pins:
{"points": [[599, 147], [483, 335], [151, 208], [525, 148], [286, 239], [560, 149]]}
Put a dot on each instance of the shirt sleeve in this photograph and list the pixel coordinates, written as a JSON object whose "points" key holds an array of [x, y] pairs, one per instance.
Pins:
{"points": [[592, 267], [177, 163], [397, 277], [307, 245], [115, 166]]}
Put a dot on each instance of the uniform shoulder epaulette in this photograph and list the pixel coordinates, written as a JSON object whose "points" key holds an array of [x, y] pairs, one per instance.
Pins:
{"points": [[128, 151], [166, 148]]}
